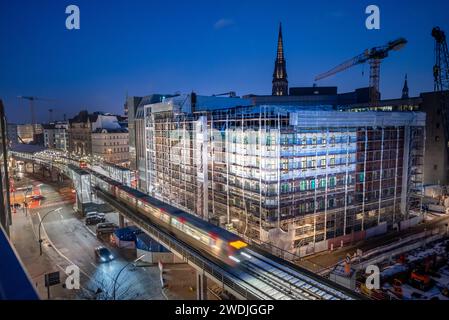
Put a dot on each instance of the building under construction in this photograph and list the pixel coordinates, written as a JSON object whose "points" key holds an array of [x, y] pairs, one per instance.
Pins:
{"points": [[294, 177]]}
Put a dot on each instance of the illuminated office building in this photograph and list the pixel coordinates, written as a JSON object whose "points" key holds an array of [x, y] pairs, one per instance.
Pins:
{"points": [[292, 176]]}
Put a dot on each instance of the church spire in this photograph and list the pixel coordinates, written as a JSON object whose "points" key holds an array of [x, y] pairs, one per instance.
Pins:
{"points": [[280, 83], [280, 53], [405, 89]]}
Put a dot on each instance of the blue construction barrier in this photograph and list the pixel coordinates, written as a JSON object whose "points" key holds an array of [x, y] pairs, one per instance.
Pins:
{"points": [[146, 243], [127, 233]]}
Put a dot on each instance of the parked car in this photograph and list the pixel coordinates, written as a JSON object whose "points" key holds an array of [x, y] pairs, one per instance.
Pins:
{"points": [[105, 228], [95, 219], [94, 213], [103, 254]]}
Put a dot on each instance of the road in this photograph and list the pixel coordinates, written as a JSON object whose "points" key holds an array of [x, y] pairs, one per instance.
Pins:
{"points": [[67, 241]]}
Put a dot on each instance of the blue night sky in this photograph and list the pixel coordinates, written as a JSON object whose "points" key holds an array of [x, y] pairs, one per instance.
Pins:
{"points": [[144, 47]]}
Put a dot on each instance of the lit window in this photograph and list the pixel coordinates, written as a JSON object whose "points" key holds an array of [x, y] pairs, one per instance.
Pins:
{"points": [[268, 140], [322, 183], [312, 184], [323, 163], [361, 177]]}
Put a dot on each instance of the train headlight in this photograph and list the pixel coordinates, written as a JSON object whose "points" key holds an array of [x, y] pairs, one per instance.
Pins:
{"points": [[234, 259]]}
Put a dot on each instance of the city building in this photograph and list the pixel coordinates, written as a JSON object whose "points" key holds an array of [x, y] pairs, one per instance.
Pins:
{"points": [[289, 175], [15, 283], [111, 145], [26, 132], [56, 135], [312, 96], [136, 127], [5, 212], [436, 161], [81, 128], [12, 133]]}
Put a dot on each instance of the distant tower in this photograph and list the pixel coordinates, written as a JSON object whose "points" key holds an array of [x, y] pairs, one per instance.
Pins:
{"points": [[405, 89], [125, 106], [280, 83]]}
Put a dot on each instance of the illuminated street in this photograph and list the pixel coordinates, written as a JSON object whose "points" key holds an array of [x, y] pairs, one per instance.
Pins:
{"points": [[67, 241]]}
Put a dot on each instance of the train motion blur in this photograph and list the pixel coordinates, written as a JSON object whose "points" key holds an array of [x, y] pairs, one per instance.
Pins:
{"points": [[220, 243]]}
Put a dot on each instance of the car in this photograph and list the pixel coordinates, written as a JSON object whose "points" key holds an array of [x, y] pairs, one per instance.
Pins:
{"points": [[91, 213], [106, 227], [103, 254], [94, 213], [16, 205], [38, 197], [95, 219]]}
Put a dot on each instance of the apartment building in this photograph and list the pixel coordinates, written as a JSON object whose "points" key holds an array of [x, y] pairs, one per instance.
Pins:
{"points": [[56, 136], [83, 125], [111, 145]]}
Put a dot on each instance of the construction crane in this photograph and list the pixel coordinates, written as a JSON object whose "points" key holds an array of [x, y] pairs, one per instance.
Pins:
{"points": [[441, 67], [374, 57], [441, 75], [33, 115]]}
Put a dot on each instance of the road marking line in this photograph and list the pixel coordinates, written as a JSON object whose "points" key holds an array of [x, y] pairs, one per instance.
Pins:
{"points": [[59, 252], [88, 229], [163, 293], [62, 255]]}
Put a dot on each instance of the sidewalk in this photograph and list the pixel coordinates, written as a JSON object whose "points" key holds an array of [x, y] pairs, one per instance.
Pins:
{"points": [[24, 237]]}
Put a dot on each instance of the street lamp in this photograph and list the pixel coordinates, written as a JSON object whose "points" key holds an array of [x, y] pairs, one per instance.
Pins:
{"points": [[40, 223], [29, 188], [124, 267]]}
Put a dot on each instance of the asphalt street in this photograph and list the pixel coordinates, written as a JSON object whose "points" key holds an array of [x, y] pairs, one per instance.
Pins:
{"points": [[68, 241]]}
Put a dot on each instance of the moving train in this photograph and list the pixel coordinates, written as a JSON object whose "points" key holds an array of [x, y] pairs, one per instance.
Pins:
{"points": [[220, 243]]}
